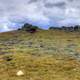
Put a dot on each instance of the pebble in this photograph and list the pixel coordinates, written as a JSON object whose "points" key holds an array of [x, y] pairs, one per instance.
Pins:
{"points": [[20, 73]]}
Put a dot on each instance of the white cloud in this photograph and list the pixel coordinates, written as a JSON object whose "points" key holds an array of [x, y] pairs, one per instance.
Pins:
{"points": [[65, 12]]}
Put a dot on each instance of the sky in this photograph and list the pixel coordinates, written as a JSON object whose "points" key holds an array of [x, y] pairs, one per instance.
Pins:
{"points": [[43, 13]]}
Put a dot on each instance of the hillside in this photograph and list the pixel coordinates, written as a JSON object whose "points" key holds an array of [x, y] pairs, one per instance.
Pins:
{"points": [[44, 55]]}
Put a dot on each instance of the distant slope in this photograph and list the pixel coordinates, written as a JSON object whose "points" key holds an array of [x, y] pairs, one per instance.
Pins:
{"points": [[42, 41]]}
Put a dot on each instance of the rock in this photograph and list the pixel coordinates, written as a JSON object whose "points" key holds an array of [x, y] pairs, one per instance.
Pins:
{"points": [[7, 58], [20, 73]]}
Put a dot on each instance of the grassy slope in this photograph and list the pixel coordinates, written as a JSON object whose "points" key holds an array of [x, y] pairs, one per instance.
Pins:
{"points": [[45, 55]]}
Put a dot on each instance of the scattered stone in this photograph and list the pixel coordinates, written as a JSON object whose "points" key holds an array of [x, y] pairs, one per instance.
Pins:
{"points": [[8, 58], [75, 69], [20, 73], [72, 45]]}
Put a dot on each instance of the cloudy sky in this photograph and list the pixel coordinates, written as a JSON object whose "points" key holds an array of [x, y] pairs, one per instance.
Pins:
{"points": [[44, 13]]}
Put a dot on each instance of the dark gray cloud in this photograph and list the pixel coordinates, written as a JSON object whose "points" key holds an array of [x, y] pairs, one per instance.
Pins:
{"points": [[32, 1], [62, 4], [59, 5], [71, 0]]}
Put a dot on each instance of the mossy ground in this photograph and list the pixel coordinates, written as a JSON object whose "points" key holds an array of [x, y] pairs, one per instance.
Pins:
{"points": [[44, 55]]}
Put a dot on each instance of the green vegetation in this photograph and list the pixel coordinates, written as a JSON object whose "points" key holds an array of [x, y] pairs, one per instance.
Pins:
{"points": [[29, 28], [45, 55], [66, 28]]}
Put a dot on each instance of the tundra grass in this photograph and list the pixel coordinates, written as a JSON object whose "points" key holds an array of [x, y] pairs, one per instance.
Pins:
{"points": [[44, 55]]}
